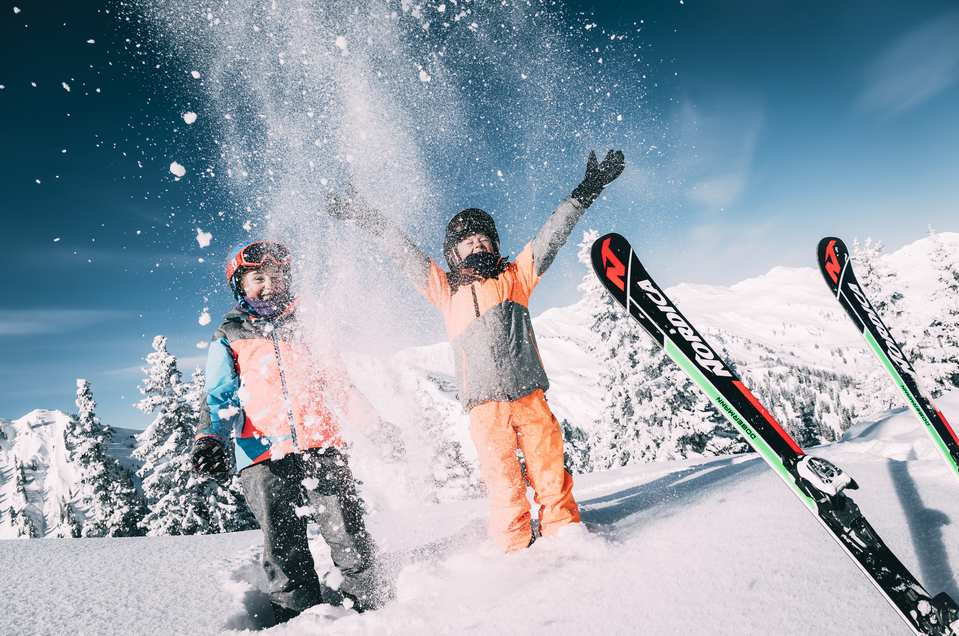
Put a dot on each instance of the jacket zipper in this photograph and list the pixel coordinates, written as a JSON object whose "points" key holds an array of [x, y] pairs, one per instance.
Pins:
{"points": [[286, 392], [475, 301]]}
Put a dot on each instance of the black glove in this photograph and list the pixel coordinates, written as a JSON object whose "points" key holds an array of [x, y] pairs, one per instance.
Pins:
{"points": [[209, 456], [354, 207], [598, 176]]}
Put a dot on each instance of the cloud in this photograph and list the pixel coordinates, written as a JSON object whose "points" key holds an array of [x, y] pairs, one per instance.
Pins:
{"points": [[721, 136], [47, 321], [915, 68]]}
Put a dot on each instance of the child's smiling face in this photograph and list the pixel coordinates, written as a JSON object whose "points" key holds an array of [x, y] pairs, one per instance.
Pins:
{"points": [[264, 282], [474, 244]]}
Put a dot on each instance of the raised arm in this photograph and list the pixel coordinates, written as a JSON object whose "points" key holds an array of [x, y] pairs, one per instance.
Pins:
{"points": [[413, 262], [552, 236]]}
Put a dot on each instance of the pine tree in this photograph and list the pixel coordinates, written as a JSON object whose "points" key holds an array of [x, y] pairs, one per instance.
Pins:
{"points": [[20, 518], [104, 491], [181, 501], [934, 352]]}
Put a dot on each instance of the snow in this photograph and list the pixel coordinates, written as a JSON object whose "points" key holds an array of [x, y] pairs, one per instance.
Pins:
{"points": [[203, 238], [177, 169], [717, 547], [189, 117]]}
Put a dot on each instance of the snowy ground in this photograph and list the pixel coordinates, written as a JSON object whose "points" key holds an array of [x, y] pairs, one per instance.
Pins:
{"points": [[701, 547]]}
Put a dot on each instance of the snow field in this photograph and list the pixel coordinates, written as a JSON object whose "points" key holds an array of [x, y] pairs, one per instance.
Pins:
{"points": [[714, 546]]}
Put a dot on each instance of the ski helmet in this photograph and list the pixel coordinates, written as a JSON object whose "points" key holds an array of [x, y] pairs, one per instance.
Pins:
{"points": [[465, 224], [247, 256]]}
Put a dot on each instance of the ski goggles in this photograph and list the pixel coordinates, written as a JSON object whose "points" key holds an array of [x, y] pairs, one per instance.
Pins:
{"points": [[256, 255]]}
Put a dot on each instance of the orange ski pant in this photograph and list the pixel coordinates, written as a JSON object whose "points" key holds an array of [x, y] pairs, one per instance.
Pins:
{"points": [[497, 429]]}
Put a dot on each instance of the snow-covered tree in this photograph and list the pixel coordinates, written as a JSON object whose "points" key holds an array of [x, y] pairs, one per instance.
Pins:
{"points": [[20, 518], [934, 348], [104, 497], [181, 501]]}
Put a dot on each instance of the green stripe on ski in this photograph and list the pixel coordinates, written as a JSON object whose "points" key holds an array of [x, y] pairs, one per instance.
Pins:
{"points": [[757, 442], [911, 399]]}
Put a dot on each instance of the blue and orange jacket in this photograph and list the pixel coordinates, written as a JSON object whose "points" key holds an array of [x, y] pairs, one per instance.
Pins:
{"points": [[275, 390]]}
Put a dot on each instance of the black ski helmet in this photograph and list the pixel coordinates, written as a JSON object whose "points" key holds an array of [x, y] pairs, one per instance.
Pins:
{"points": [[464, 224]]}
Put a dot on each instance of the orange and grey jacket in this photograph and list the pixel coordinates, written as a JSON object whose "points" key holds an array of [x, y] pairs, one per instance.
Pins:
{"points": [[488, 321], [266, 387]]}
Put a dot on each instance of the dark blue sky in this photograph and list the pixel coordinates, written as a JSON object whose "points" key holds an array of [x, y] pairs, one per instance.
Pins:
{"points": [[751, 129]]}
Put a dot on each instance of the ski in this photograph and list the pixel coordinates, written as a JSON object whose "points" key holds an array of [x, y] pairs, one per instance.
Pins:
{"points": [[817, 483], [836, 268]]}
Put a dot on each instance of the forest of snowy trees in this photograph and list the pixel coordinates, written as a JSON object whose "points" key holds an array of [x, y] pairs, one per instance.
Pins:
{"points": [[100, 498], [641, 406]]}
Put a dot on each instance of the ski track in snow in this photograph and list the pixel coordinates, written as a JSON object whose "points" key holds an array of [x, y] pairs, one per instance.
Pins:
{"points": [[713, 546]]}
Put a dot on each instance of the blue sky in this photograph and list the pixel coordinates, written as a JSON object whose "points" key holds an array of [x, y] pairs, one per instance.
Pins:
{"points": [[751, 129]]}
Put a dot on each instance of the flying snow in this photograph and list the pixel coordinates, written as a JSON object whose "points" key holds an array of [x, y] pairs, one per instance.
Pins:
{"points": [[195, 75], [91, 42], [66, 86], [203, 238], [189, 117], [205, 316], [177, 169]]}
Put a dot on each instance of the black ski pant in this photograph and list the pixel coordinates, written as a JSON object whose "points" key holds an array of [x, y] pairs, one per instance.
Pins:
{"points": [[275, 491]]}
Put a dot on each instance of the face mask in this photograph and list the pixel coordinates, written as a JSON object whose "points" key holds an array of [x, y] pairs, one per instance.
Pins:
{"points": [[483, 264], [267, 309]]}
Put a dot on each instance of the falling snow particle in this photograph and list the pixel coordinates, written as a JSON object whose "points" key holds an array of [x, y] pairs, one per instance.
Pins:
{"points": [[202, 345], [38, 181], [90, 42], [55, 240], [16, 10], [424, 77], [619, 118], [177, 169], [66, 86], [341, 43], [189, 117], [205, 316], [203, 238], [195, 75]]}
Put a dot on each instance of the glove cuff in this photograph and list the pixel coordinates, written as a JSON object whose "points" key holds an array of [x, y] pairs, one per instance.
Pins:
{"points": [[587, 193]]}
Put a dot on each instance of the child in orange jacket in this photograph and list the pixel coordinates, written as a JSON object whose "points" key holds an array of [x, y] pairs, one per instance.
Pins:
{"points": [[484, 300], [278, 395]]}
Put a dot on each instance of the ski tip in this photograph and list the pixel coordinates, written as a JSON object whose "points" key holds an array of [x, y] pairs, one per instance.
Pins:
{"points": [[828, 241], [612, 235]]}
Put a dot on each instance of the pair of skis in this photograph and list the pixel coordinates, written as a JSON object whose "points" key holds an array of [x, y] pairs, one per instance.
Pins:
{"points": [[818, 484]]}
